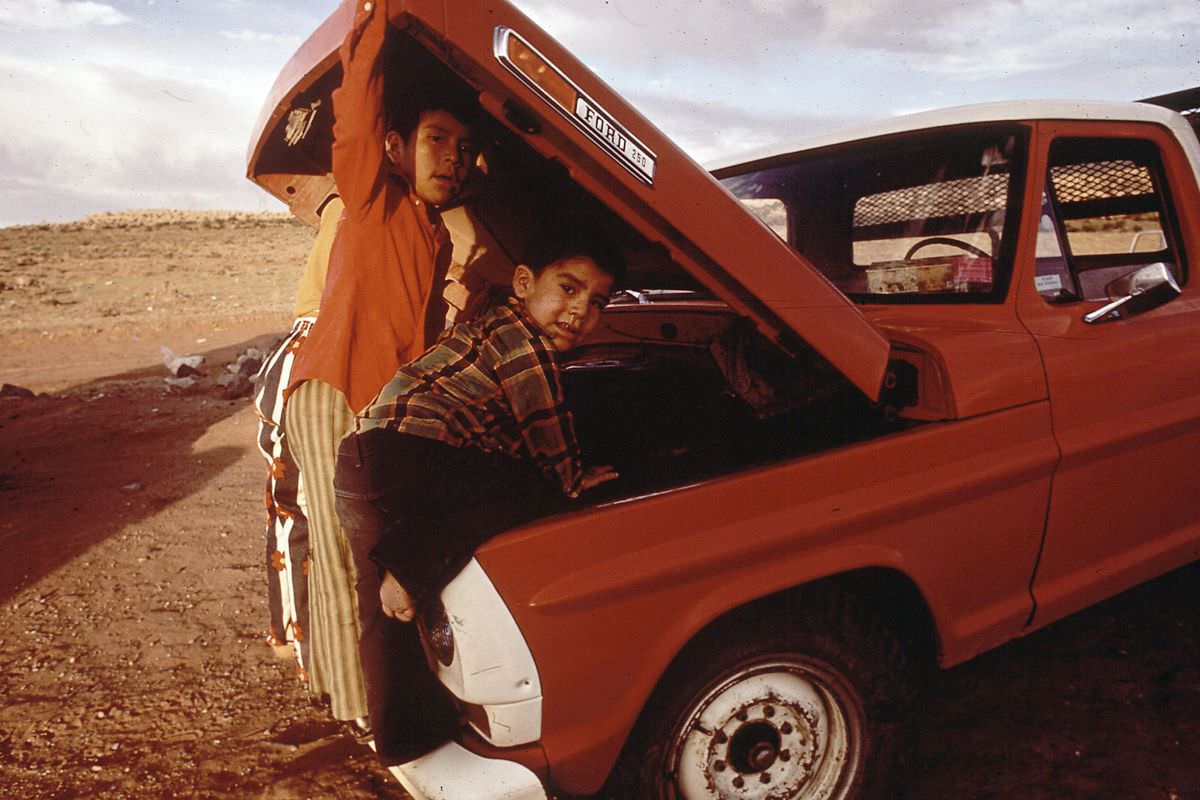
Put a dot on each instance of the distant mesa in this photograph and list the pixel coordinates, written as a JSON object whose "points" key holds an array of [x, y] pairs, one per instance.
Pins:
{"points": [[174, 218]]}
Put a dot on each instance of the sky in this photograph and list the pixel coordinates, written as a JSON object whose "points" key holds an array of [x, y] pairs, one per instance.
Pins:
{"points": [[133, 104]]}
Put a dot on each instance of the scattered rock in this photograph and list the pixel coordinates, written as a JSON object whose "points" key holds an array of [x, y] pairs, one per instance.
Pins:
{"points": [[182, 385], [234, 386], [11, 390], [249, 366], [181, 366], [248, 362]]}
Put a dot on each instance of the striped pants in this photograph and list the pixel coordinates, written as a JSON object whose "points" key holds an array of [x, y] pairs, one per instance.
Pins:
{"points": [[318, 418], [287, 528]]}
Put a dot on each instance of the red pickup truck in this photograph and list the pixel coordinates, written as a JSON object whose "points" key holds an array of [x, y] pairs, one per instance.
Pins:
{"points": [[880, 402]]}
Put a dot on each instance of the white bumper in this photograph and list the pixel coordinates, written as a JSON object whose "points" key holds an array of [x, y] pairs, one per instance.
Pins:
{"points": [[454, 773]]}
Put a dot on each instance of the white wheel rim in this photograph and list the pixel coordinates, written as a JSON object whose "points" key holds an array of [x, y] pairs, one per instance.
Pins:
{"points": [[776, 730]]}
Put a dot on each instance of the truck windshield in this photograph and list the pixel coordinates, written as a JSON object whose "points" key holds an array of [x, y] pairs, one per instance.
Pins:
{"points": [[927, 217]]}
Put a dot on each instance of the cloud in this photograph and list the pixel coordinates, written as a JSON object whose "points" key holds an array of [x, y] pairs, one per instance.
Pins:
{"points": [[646, 32], [707, 130], [1012, 35], [834, 61], [96, 136], [154, 113], [104, 111], [56, 15], [24, 200], [262, 37], [1045, 32], [1111, 49]]}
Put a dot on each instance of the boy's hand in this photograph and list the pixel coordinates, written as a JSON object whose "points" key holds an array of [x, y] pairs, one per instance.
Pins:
{"points": [[394, 599], [594, 476]]}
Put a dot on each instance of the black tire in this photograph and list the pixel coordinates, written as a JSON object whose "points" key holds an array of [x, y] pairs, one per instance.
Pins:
{"points": [[796, 703]]}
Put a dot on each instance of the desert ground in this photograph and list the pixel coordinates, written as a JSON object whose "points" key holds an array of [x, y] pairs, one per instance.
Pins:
{"points": [[133, 661]]}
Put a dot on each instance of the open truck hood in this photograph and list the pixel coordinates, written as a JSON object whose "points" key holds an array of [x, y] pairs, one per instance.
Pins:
{"points": [[538, 89]]}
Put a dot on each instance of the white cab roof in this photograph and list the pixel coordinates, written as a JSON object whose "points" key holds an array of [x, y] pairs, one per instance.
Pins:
{"points": [[1007, 111]]}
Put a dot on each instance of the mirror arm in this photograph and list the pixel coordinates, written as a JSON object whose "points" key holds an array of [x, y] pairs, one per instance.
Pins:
{"points": [[1106, 309]]}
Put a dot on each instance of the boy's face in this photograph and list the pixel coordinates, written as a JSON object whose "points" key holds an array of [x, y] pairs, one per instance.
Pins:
{"points": [[565, 300], [436, 159]]}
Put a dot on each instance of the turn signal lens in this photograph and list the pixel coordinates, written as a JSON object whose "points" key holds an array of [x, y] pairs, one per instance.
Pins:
{"points": [[530, 64]]}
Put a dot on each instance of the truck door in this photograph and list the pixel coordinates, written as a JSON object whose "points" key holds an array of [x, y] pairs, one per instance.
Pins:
{"points": [[1124, 390]]}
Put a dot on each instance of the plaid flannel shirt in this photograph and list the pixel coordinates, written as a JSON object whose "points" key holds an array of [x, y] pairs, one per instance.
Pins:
{"points": [[492, 383]]}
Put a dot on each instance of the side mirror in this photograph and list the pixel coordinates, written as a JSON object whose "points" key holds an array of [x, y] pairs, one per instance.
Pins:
{"points": [[1141, 290]]}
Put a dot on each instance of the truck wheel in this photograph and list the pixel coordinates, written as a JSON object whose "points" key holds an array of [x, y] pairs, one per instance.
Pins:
{"points": [[802, 707]]}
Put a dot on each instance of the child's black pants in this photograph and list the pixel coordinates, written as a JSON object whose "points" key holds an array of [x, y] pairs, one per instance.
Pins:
{"points": [[418, 508]]}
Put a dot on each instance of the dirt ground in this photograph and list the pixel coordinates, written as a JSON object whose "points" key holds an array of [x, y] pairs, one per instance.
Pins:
{"points": [[133, 661]]}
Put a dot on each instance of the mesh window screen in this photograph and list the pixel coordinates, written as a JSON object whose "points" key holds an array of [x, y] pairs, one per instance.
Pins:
{"points": [[932, 200], [1100, 180]]}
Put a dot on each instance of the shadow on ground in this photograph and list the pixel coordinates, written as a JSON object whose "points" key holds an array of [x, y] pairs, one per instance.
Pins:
{"points": [[1104, 704], [81, 464]]}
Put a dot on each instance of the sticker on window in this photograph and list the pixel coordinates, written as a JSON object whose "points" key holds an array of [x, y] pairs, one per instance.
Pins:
{"points": [[1047, 283]]}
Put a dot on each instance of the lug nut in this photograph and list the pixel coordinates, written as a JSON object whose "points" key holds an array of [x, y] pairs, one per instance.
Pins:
{"points": [[785, 755], [785, 728], [738, 782], [742, 715], [719, 765], [764, 777], [768, 711], [720, 737]]}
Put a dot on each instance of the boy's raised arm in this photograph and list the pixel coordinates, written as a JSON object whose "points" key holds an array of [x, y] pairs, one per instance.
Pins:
{"points": [[360, 170]]}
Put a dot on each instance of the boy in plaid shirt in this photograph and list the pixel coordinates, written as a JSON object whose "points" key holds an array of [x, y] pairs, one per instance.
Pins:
{"points": [[468, 440]]}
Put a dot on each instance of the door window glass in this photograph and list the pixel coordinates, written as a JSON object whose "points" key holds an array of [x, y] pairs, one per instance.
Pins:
{"points": [[1107, 205]]}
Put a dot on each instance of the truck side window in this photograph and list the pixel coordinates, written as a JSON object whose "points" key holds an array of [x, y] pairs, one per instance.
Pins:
{"points": [[1106, 212]]}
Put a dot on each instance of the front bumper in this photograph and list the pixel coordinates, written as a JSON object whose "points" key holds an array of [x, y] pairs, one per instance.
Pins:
{"points": [[454, 773]]}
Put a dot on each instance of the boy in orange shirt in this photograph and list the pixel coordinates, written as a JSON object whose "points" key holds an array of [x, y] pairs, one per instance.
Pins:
{"points": [[381, 307]]}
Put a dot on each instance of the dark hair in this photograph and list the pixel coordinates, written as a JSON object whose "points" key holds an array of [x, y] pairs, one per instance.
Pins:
{"points": [[551, 248], [406, 107]]}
